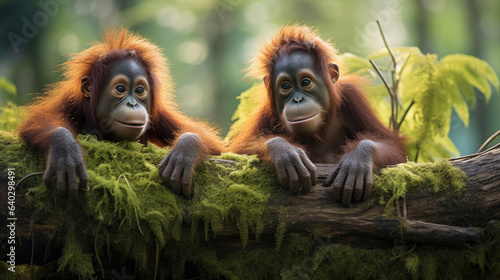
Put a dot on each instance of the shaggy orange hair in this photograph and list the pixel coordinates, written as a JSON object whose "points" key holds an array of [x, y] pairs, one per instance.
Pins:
{"points": [[64, 105], [287, 39], [348, 105], [304, 36]]}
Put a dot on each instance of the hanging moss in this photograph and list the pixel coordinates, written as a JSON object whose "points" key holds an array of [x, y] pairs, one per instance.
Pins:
{"points": [[128, 213], [127, 208], [394, 183]]}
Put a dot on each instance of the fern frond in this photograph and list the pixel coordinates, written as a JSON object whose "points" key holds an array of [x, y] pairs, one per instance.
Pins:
{"points": [[461, 82], [433, 88], [432, 108], [476, 71], [457, 100], [437, 88]]}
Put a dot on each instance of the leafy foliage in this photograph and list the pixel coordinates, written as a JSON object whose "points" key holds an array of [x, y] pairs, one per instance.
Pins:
{"points": [[247, 103], [7, 91], [10, 114], [428, 89]]}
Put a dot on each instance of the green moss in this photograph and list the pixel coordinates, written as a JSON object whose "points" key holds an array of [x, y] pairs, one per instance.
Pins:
{"points": [[75, 258], [11, 116], [128, 212], [304, 258], [394, 183], [127, 208]]}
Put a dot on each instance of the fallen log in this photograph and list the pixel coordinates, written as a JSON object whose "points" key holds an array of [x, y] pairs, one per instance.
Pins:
{"points": [[433, 218], [442, 218]]}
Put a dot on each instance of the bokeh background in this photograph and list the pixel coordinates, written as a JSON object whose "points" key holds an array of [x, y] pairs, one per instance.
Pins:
{"points": [[209, 42]]}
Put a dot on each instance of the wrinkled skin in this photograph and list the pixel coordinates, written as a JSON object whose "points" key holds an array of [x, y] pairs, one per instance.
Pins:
{"points": [[300, 93], [177, 168], [301, 96], [65, 162], [294, 168], [124, 103], [302, 100], [352, 178]]}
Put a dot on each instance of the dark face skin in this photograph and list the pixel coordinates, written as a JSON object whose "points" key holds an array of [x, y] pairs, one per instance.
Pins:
{"points": [[302, 102], [300, 93], [124, 102]]}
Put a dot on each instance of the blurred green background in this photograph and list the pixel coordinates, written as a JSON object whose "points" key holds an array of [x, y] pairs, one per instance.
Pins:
{"points": [[208, 42]]}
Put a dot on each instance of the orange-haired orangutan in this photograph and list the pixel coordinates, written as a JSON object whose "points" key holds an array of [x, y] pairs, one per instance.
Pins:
{"points": [[118, 90], [307, 114]]}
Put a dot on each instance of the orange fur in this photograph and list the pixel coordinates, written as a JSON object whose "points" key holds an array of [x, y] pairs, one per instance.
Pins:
{"points": [[263, 62], [250, 138], [63, 101], [349, 107]]}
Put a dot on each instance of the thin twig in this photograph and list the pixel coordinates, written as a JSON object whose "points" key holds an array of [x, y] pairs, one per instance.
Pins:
{"points": [[416, 155], [391, 93], [491, 138], [394, 63], [404, 64], [405, 113], [395, 81], [385, 43], [381, 77], [27, 176]]}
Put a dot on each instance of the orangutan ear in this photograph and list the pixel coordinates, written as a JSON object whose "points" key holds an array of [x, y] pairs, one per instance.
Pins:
{"points": [[334, 71], [266, 80], [86, 85]]}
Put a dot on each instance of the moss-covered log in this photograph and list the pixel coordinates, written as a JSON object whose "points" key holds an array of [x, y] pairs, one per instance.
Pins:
{"points": [[237, 203], [428, 212], [435, 218]]}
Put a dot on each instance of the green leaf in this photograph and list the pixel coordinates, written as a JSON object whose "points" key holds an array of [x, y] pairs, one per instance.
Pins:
{"points": [[434, 87], [457, 100], [432, 108], [461, 82], [476, 71], [413, 77]]}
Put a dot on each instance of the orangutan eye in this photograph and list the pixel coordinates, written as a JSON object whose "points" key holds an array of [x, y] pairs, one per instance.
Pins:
{"points": [[286, 86], [120, 88], [306, 82], [139, 90]]}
